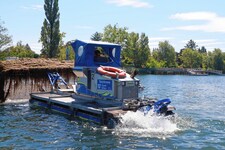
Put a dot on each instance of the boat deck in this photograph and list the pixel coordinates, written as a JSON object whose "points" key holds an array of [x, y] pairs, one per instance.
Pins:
{"points": [[91, 110], [53, 97]]}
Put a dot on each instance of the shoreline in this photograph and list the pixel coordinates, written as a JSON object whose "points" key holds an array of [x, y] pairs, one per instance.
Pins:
{"points": [[174, 71], [31, 74]]}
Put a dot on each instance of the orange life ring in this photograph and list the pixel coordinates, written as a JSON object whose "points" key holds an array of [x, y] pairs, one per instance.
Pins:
{"points": [[111, 71]]}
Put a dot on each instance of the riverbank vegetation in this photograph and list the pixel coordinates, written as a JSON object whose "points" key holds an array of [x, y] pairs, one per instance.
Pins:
{"points": [[137, 53], [136, 50]]}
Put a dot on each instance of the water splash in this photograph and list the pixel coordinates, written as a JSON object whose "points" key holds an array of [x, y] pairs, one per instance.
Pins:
{"points": [[136, 123]]}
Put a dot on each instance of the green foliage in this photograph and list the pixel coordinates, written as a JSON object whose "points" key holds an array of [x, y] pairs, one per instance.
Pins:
{"points": [[153, 63], [166, 53], [5, 39], [64, 51], [209, 60], [191, 59], [61, 36], [202, 50], [218, 59], [205, 61], [130, 50], [20, 51], [115, 34], [96, 36], [143, 51], [136, 50], [50, 33], [191, 45]]}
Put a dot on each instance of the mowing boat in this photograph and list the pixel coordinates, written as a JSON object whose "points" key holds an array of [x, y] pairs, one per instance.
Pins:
{"points": [[102, 92]]}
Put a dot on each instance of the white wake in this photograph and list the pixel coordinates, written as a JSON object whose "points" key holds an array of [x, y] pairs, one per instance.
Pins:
{"points": [[136, 123]]}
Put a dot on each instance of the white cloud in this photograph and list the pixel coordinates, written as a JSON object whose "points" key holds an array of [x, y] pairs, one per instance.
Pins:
{"points": [[209, 44], [132, 3], [154, 42], [202, 41], [34, 7], [212, 22], [160, 38], [205, 42], [186, 28], [194, 16]]}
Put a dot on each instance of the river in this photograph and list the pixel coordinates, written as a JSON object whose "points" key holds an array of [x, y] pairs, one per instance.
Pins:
{"points": [[199, 121]]}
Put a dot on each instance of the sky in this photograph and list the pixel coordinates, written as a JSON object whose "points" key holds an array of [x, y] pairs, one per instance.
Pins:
{"points": [[176, 21]]}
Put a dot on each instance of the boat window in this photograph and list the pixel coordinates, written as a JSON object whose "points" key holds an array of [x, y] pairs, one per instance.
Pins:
{"points": [[100, 55], [114, 52], [80, 50]]}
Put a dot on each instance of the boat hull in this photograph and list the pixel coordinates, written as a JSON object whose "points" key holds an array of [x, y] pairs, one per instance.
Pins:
{"points": [[67, 105], [100, 111]]}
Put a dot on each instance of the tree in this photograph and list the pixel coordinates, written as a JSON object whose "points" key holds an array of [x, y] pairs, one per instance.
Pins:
{"points": [[202, 50], [130, 49], [50, 33], [96, 36], [153, 63], [191, 59], [27, 46], [5, 39], [65, 50], [61, 36], [191, 44], [19, 50], [205, 61], [143, 51], [19, 44], [114, 34], [136, 50], [166, 53], [218, 61]]}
